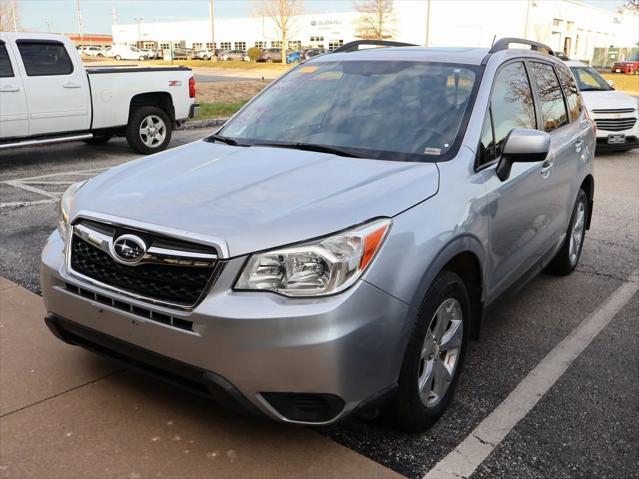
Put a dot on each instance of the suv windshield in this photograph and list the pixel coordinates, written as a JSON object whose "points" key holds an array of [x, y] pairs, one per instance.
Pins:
{"points": [[589, 80], [395, 110]]}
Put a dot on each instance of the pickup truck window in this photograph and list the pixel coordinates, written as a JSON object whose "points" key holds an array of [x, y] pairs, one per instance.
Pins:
{"points": [[41, 58], [5, 64], [553, 109]]}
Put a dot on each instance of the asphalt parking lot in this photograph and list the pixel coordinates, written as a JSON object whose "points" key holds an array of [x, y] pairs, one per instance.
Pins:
{"points": [[585, 425]]}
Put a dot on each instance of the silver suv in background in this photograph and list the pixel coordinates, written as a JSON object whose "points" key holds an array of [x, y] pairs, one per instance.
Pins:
{"points": [[334, 246]]}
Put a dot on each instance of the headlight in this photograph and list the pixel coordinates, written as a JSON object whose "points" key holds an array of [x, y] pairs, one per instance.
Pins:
{"points": [[317, 268], [64, 207]]}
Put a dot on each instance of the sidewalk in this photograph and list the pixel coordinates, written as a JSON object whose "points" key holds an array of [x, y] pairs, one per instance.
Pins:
{"points": [[68, 413]]}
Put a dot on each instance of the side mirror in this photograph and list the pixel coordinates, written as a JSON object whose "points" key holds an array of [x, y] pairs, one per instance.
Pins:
{"points": [[611, 83], [522, 145]]}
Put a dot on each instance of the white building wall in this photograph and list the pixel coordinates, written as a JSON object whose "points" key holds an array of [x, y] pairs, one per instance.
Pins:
{"points": [[470, 23]]}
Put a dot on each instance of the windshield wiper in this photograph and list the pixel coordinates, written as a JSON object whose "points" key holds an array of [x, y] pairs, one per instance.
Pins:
{"points": [[311, 147], [223, 139]]}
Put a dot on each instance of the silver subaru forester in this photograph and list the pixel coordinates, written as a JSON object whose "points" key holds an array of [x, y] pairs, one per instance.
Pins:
{"points": [[333, 247]]}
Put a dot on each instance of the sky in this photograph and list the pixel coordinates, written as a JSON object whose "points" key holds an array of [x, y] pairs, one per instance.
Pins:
{"points": [[60, 15]]}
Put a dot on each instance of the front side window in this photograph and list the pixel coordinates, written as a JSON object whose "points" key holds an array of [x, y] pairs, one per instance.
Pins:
{"points": [[44, 58], [399, 110], [6, 71], [573, 99], [511, 103], [553, 108]]}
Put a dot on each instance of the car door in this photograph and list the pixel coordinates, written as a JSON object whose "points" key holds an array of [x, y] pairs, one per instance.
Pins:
{"points": [[519, 207], [57, 89], [14, 116], [566, 148]]}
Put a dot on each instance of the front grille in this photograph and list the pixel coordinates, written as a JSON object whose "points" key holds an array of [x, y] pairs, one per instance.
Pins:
{"points": [[129, 308], [171, 280], [613, 110], [615, 124]]}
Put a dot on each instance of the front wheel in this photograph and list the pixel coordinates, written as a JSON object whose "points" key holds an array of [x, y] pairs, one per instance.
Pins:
{"points": [[118, 57], [568, 256], [149, 130], [433, 359]]}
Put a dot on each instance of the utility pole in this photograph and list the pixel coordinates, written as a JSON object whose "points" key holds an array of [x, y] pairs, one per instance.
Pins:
{"points": [[427, 23], [80, 26], [48, 24], [13, 16], [139, 20], [212, 15], [114, 16]]}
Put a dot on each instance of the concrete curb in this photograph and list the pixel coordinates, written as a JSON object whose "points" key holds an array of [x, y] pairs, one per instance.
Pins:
{"points": [[209, 123]]}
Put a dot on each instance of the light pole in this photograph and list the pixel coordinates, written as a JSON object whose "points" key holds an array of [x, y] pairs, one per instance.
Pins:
{"points": [[13, 16], [48, 24], [139, 20], [212, 15], [80, 26]]}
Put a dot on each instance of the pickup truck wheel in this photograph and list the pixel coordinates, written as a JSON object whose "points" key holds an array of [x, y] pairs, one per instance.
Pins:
{"points": [[149, 130], [568, 256], [434, 355], [99, 140]]}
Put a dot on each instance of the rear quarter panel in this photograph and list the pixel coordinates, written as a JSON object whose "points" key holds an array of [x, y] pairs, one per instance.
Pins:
{"points": [[111, 93]]}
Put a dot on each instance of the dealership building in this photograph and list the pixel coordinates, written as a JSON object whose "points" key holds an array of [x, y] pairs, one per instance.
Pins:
{"points": [[569, 26]]}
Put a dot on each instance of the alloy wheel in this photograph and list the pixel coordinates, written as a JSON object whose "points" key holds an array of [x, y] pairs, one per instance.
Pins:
{"points": [[440, 352], [152, 131], [577, 233]]}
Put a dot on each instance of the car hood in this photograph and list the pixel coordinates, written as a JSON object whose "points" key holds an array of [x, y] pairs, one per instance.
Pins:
{"points": [[609, 100], [255, 198]]}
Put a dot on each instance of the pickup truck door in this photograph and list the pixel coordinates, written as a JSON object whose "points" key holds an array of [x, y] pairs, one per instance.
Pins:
{"points": [[56, 86], [14, 117]]}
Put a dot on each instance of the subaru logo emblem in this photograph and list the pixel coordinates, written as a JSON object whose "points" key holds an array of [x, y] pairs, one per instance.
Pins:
{"points": [[128, 249]]}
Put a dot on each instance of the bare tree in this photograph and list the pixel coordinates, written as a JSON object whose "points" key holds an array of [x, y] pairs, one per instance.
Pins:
{"points": [[282, 13], [9, 16], [632, 5], [377, 19]]}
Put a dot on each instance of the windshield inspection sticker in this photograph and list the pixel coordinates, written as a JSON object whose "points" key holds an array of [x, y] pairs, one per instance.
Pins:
{"points": [[432, 151]]}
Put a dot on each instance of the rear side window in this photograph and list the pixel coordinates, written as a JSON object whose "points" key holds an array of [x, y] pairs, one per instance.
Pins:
{"points": [[45, 58], [573, 99], [5, 64], [553, 108], [511, 103]]}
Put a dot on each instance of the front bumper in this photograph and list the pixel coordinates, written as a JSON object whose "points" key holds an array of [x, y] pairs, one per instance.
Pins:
{"points": [[279, 356]]}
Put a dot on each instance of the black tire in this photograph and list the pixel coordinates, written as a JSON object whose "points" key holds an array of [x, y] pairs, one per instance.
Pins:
{"points": [[118, 57], [407, 411], [133, 136], [99, 140], [564, 262]]}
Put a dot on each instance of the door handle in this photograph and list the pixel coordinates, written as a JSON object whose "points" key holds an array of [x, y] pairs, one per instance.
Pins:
{"points": [[546, 166], [71, 85], [9, 88], [578, 145]]}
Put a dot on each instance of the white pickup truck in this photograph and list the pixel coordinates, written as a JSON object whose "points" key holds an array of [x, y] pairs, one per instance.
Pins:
{"points": [[48, 96]]}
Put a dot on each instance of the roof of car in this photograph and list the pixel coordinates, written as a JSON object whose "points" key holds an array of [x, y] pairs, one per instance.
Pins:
{"points": [[575, 63], [461, 55]]}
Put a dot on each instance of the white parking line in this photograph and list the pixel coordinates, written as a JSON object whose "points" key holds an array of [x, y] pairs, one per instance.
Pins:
{"points": [[30, 184], [473, 450]]}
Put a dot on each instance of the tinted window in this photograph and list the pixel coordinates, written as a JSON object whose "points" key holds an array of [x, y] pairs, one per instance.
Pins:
{"points": [[553, 108], [43, 58], [5, 63], [573, 99], [486, 143], [589, 80], [380, 109], [512, 103]]}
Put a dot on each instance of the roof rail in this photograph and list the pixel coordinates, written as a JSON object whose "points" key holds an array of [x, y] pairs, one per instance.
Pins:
{"points": [[354, 46], [504, 43]]}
